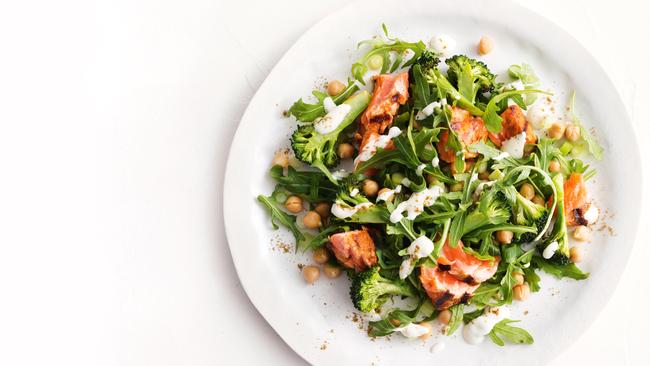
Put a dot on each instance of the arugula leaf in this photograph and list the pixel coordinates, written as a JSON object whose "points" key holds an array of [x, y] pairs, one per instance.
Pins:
{"points": [[512, 334], [434, 76], [529, 79], [456, 318], [468, 317], [308, 112], [593, 146], [491, 114], [395, 319], [421, 89], [532, 279], [383, 48], [313, 186], [280, 217], [560, 271]]}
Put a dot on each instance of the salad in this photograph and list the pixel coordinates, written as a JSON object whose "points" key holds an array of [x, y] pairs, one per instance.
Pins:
{"points": [[432, 181]]}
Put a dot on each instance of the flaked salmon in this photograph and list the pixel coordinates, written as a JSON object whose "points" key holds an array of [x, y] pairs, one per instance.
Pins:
{"points": [[390, 92], [514, 123], [470, 130]]}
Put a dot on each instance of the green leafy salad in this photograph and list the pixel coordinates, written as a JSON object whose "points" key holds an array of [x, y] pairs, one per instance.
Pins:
{"points": [[436, 184]]}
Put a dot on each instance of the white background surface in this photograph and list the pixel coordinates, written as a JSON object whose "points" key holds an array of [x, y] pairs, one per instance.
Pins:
{"points": [[116, 118]]}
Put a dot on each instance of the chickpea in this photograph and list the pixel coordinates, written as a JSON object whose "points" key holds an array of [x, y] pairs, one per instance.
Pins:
{"points": [[527, 190], [504, 236], [320, 255], [444, 317], [554, 166], [311, 274], [312, 220], [331, 270], [556, 131], [293, 204], [484, 176], [335, 87], [281, 158], [370, 188], [538, 200], [345, 151], [485, 45], [572, 133], [521, 292], [582, 233], [323, 209], [429, 330], [576, 254], [519, 278], [457, 187]]}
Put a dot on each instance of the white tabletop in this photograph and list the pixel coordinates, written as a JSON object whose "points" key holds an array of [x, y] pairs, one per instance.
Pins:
{"points": [[116, 121]]}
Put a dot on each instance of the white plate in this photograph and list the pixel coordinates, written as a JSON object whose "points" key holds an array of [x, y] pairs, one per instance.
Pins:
{"points": [[317, 321]]}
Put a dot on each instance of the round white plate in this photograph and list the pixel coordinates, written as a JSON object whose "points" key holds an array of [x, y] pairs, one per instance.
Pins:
{"points": [[318, 321]]}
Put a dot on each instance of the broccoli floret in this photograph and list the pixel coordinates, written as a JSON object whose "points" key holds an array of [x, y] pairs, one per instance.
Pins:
{"points": [[319, 150], [462, 68], [559, 233], [427, 61], [526, 213], [493, 209], [369, 290], [350, 195]]}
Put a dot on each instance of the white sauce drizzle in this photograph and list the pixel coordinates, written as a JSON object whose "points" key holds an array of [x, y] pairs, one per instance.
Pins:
{"points": [[374, 143], [388, 194], [406, 268], [515, 145], [419, 169], [427, 111], [354, 192], [340, 174], [419, 248], [435, 162], [416, 203], [592, 213], [501, 156], [344, 212], [412, 330], [328, 104], [550, 250], [442, 44], [476, 330], [332, 119]]}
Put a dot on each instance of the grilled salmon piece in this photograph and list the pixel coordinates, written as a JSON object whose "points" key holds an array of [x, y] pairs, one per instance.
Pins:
{"points": [[354, 249], [444, 289], [390, 92], [514, 122], [575, 200], [464, 266], [470, 130]]}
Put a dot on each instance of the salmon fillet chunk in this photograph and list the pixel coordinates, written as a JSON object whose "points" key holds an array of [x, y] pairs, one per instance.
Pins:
{"points": [[464, 266], [354, 249], [444, 289]]}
